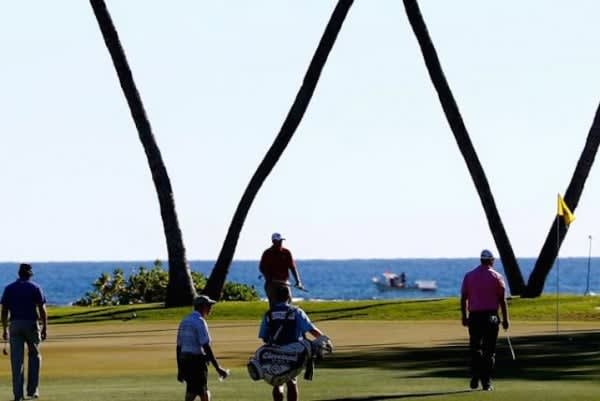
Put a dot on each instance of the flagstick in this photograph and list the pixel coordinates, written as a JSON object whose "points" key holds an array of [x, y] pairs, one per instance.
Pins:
{"points": [[557, 268], [568, 217], [587, 287]]}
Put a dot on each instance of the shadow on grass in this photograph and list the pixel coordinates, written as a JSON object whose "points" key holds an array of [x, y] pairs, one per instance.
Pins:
{"points": [[352, 311], [396, 396], [107, 313], [110, 334], [568, 356]]}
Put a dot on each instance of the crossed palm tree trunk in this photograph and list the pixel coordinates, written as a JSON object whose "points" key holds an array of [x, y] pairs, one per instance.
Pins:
{"points": [[511, 267], [180, 289], [220, 270], [549, 252]]}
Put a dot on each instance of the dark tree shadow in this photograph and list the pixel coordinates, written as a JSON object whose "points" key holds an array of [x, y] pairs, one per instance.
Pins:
{"points": [[568, 356], [107, 313], [359, 311], [396, 396]]}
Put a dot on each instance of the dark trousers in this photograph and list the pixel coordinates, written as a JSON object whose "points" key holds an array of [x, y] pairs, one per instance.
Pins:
{"points": [[483, 333], [194, 371]]}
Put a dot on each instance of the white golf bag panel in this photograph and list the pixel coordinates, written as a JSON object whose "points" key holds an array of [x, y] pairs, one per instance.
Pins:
{"points": [[278, 364]]}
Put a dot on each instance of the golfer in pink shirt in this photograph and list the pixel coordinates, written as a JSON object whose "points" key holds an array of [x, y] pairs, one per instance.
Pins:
{"points": [[481, 294]]}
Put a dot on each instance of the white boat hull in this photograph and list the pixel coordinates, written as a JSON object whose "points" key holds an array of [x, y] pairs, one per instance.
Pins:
{"points": [[420, 285]]}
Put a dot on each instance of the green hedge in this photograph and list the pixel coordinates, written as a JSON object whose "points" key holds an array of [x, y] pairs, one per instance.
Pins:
{"points": [[150, 285]]}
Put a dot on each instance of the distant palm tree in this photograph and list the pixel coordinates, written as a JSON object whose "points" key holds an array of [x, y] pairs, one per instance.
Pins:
{"points": [[180, 290], [217, 278], [511, 267], [545, 261]]}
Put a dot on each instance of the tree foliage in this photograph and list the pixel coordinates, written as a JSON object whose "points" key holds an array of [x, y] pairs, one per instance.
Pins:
{"points": [[150, 285]]}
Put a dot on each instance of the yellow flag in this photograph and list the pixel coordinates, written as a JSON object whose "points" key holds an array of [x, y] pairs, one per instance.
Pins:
{"points": [[564, 211]]}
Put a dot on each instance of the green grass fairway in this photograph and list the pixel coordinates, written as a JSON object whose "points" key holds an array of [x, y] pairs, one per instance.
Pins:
{"points": [[362, 384], [101, 354]]}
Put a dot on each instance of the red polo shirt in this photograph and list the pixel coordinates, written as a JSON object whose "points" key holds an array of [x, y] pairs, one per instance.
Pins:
{"points": [[276, 263]]}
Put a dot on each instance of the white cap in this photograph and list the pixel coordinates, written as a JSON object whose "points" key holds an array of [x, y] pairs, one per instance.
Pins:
{"points": [[486, 254], [204, 300], [276, 237]]}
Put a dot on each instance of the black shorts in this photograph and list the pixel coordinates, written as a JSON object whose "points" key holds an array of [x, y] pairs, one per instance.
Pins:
{"points": [[194, 371]]}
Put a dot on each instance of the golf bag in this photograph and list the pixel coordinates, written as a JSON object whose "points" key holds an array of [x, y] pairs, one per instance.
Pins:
{"points": [[278, 364]]}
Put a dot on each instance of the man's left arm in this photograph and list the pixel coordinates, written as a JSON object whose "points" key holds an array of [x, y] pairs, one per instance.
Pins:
{"points": [[502, 302], [44, 318], [504, 310], [213, 360], [305, 325], [316, 333], [294, 271], [263, 331]]}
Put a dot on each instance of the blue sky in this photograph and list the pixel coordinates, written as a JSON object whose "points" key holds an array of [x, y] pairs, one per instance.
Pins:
{"points": [[373, 170]]}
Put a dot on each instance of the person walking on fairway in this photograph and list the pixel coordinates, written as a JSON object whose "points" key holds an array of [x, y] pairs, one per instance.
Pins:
{"points": [[194, 351], [285, 324], [24, 302], [481, 294], [275, 264]]}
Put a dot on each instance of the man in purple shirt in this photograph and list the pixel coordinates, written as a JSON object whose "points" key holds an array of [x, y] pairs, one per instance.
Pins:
{"points": [[482, 293], [23, 300]]}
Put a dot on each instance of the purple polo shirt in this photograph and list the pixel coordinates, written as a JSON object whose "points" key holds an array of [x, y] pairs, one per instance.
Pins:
{"points": [[21, 299], [483, 287]]}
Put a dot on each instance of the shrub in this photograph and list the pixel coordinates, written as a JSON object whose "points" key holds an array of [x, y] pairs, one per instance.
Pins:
{"points": [[150, 285]]}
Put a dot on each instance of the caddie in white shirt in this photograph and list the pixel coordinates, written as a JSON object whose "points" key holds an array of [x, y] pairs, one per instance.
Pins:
{"points": [[194, 351]]}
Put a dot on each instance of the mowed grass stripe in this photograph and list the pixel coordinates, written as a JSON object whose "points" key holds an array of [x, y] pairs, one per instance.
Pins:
{"points": [[571, 307]]}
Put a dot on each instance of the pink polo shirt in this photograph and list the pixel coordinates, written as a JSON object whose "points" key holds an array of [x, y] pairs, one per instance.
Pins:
{"points": [[483, 287]]}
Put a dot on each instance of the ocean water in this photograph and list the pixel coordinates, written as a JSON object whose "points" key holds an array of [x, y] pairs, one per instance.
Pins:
{"points": [[65, 282]]}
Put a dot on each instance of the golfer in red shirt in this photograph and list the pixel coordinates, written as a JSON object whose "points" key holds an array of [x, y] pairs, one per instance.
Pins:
{"points": [[275, 264], [481, 294]]}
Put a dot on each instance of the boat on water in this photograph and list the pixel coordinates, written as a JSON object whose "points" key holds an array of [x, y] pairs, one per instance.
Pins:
{"points": [[392, 281]]}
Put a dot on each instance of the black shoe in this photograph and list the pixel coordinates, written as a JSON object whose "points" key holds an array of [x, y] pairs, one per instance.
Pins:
{"points": [[487, 386], [474, 383]]}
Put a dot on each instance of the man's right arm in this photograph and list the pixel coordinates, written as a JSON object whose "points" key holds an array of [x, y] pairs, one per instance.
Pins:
{"points": [[178, 357], [463, 309], [262, 266]]}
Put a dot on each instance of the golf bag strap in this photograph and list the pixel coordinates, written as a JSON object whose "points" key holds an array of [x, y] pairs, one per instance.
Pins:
{"points": [[310, 368], [275, 336]]}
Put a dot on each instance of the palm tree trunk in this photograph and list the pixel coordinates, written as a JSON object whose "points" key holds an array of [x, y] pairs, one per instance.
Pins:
{"points": [[511, 267], [180, 290], [549, 252], [215, 283]]}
